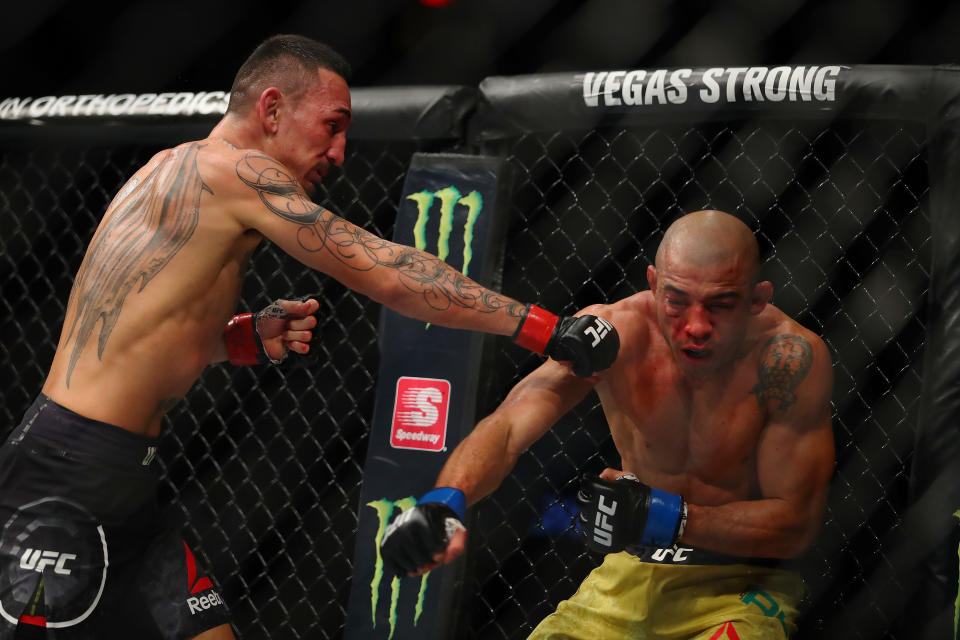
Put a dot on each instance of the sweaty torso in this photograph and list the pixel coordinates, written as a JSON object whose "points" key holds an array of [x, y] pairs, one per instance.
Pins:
{"points": [[695, 437], [158, 283]]}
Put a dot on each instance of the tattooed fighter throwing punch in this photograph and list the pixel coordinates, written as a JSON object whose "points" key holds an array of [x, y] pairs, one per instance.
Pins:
{"points": [[719, 405], [83, 553]]}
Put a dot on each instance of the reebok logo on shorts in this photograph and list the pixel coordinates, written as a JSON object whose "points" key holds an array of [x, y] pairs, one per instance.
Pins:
{"points": [[198, 604], [420, 414]]}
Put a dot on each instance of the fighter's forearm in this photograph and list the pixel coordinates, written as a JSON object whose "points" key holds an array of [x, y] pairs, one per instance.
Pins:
{"points": [[420, 285], [480, 463], [767, 528]]}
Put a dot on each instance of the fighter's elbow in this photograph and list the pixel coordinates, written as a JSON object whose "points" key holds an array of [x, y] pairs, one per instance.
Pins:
{"points": [[389, 292]]}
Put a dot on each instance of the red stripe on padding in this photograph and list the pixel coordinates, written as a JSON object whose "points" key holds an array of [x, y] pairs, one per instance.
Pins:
{"points": [[37, 621]]}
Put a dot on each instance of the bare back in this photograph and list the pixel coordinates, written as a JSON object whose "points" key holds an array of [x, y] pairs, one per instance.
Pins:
{"points": [[158, 283], [696, 438]]}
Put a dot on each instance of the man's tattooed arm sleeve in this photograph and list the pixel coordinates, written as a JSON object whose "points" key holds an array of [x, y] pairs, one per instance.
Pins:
{"points": [[320, 231]]}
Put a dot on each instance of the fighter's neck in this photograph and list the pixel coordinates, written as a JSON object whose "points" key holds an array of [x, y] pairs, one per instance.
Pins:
{"points": [[237, 132]]}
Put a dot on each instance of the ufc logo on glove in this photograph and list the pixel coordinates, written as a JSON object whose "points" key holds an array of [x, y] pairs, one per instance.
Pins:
{"points": [[603, 533], [599, 329], [617, 514]]}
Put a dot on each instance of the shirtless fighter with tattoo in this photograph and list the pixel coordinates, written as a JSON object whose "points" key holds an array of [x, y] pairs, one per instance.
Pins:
{"points": [[83, 554], [719, 405]]}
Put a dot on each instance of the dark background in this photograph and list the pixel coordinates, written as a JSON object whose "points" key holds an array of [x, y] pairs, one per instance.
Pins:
{"points": [[53, 47]]}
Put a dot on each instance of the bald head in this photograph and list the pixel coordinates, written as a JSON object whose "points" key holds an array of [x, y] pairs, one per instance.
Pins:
{"points": [[710, 240]]}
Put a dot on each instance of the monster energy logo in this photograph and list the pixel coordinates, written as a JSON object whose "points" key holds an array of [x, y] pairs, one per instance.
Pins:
{"points": [[449, 197], [384, 509]]}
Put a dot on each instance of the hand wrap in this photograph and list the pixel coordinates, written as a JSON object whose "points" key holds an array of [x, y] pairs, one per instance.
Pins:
{"points": [[245, 345]]}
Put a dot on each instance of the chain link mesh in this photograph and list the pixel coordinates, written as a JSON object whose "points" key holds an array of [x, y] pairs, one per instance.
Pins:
{"points": [[264, 464]]}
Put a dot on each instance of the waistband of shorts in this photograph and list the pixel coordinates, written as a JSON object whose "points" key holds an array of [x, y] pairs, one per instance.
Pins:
{"points": [[677, 555], [56, 426]]}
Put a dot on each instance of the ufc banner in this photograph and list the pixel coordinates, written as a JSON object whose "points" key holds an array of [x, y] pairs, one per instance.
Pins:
{"points": [[453, 206]]}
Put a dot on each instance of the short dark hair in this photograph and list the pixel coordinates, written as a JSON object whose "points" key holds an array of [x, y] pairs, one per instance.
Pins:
{"points": [[275, 58]]}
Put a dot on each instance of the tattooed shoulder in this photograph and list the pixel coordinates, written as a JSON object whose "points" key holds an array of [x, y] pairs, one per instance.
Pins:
{"points": [[784, 363], [278, 190]]}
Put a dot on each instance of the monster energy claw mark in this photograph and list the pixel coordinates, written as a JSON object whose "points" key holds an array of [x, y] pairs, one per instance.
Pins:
{"points": [[449, 197], [384, 509]]}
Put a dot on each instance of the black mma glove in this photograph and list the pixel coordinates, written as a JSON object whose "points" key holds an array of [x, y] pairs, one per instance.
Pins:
{"points": [[588, 342], [422, 531], [626, 512]]}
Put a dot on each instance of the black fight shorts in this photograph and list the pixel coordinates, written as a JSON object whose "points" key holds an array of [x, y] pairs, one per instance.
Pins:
{"points": [[84, 554]]}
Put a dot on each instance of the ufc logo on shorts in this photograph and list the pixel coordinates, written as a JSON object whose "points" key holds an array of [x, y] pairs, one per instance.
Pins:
{"points": [[37, 559], [672, 554], [603, 529], [599, 329]]}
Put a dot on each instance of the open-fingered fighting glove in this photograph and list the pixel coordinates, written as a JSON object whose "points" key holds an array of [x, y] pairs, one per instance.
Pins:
{"points": [[625, 512], [422, 531], [588, 342], [245, 342]]}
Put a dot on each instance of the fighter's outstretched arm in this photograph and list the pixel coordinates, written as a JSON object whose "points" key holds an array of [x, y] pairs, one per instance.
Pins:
{"points": [[268, 199]]}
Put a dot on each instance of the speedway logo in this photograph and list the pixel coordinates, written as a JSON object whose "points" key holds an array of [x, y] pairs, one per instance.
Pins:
{"points": [[384, 509], [420, 410]]}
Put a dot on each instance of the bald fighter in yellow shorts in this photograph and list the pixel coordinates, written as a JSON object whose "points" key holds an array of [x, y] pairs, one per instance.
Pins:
{"points": [[719, 405]]}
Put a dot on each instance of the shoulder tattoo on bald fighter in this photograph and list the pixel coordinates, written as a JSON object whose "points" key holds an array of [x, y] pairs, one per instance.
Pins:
{"points": [[441, 285], [784, 363], [147, 224]]}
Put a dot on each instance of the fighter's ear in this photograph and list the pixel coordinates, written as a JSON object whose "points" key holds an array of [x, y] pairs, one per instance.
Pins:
{"points": [[268, 109], [652, 278], [762, 293]]}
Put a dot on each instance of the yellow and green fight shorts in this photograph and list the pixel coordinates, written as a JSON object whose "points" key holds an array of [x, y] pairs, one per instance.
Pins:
{"points": [[678, 593]]}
